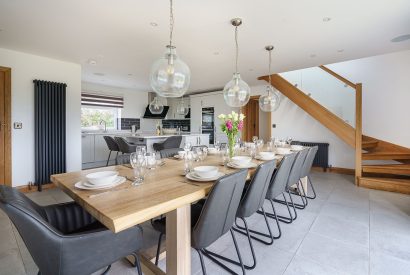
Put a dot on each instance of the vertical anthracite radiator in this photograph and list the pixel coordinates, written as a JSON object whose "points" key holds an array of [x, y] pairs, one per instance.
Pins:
{"points": [[50, 130], [322, 155]]}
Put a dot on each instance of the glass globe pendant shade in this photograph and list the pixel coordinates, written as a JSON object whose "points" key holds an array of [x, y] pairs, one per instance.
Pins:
{"points": [[156, 106], [170, 76], [237, 92], [181, 108], [271, 101]]}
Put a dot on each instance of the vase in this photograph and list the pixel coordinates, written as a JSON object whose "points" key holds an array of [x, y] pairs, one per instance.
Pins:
{"points": [[231, 145]]}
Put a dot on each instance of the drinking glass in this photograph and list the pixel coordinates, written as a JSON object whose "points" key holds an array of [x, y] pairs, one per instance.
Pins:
{"points": [[139, 166], [198, 153], [252, 150], [289, 140], [141, 150], [188, 157], [254, 139], [187, 146], [224, 153], [217, 145], [204, 153], [151, 160]]}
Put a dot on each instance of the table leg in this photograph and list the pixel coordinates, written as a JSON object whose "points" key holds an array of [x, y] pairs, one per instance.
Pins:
{"points": [[178, 241]]}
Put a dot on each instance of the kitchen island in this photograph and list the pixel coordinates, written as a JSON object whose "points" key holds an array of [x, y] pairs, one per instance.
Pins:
{"points": [[95, 151]]}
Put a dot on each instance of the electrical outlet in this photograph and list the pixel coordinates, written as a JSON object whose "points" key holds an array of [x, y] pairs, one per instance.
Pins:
{"points": [[18, 125]]}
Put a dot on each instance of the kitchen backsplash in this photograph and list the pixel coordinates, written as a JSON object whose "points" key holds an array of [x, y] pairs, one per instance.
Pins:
{"points": [[185, 124], [126, 123]]}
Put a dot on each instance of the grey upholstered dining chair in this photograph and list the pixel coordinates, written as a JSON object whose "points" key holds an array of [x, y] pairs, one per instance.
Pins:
{"points": [[307, 166], [64, 239], [294, 179], [112, 146], [170, 152], [213, 217], [252, 200], [169, 143], [125, 146], [277, 187]]}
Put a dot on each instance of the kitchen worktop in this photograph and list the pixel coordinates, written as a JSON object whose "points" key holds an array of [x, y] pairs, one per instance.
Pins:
{"points": [[138, 135]]}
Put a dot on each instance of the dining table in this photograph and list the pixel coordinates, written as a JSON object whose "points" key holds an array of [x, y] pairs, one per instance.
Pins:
{"points": [[165, 191]]}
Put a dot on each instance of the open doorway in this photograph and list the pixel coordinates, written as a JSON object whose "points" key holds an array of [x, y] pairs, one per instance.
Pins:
{"points": [[5, 126], [257, 123]]}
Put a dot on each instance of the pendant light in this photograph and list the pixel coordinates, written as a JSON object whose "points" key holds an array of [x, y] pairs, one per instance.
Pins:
{"points": [[271, 101], [156, 106], [182, 109], [170, 76], [236, 91]]}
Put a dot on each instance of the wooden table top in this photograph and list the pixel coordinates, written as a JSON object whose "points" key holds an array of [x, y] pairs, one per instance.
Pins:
{"points": [[164, 189]]}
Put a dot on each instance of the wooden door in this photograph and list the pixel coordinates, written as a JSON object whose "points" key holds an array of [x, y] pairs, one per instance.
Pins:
{"points": [[5, 130], [251, 122]]}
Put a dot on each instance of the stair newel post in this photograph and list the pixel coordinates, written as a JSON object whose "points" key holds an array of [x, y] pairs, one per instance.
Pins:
{"points": [[358, 134]]}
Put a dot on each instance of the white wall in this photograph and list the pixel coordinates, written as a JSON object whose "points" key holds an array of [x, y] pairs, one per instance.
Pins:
{"points": [[386, 94], [135, 102], [25, 68]]}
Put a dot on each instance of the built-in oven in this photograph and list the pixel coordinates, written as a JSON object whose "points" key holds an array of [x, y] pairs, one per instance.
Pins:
{"points": [[208, 123]]}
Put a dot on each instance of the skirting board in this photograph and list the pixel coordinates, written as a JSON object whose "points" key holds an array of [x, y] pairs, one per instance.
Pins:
{"points": [[33, 188], [337, 170]]}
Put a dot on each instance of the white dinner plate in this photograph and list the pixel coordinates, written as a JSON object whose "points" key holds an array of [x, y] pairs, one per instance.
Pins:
{"points": [[264, 159], [83, 185], [250, 165], [178, 157], [193, 176]]}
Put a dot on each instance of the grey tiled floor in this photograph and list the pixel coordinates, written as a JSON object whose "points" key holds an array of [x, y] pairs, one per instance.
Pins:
{"points": [[346, 230]]}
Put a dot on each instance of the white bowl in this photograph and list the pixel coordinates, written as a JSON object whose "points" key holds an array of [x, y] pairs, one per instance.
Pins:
{"points": [[206, 171], [181, 154], [241, 160], [102, 178], [282, 151], [266, 155], [296, 147]]}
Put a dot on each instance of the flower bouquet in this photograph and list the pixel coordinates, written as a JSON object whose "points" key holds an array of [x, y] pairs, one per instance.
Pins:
{"points": [[231, 125]]}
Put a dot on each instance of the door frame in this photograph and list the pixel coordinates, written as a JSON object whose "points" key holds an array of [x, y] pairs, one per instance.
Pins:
{"points": [[269, 120], [7, 116]]}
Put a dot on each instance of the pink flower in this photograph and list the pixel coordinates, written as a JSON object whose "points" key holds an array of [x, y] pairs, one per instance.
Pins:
{"points": [[240, 125], [229, 125]]}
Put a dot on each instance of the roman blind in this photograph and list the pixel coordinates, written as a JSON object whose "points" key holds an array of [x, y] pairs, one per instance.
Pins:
{"points": [[100, 100]]}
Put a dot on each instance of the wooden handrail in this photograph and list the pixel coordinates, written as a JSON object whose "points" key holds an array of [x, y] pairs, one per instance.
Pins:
{"points": [[341, 78]]}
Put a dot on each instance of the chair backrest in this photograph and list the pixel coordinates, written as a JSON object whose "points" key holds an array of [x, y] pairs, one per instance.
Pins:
{"points": [[167, 153], [41, 239], [123, 145], [173, 142], [123, 159], [296, 171], [255, 194], [280, 177], [198, 146], [307, 165], [111, 143], [219, 211]]}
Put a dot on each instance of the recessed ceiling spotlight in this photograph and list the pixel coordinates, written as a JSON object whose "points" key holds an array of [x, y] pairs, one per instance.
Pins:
{"points": [[129, 74], [251, 70], [340, 50], [92, 62], [401, 38], [99, 74], [312, 55], [326, 19], [216, 53], [153, 24]]}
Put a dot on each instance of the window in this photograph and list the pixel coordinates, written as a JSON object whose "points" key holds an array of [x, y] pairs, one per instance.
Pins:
{"points": [[97, 110]]}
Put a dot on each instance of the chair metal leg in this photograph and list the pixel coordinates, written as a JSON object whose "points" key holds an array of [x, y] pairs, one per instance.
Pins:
{"points": [[158, 248], [212, 256], [240, 229], [284, 219], [108, 160], [137, 263], [116, 158], [303, 192], [313, 189], [201, 258], [106, 270]]}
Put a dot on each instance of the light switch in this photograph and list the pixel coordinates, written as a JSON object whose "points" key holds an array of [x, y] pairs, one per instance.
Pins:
{"points": [[18, 125]]}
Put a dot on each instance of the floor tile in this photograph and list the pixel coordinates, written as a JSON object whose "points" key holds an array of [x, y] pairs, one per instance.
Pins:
{"points": [[303, 266], [346, 212], [397, 245], [10, 263], [341, 229], [382, 264], [348, 258]]}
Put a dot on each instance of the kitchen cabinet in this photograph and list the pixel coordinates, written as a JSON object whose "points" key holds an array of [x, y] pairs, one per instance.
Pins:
{"points": [[195, 140], [101, 149], [196, 114], [87, 148]]}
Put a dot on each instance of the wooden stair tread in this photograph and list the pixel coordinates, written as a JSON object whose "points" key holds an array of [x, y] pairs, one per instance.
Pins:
{"points": [[386, 184], [369, 144], [397, 169], [385, 155]]}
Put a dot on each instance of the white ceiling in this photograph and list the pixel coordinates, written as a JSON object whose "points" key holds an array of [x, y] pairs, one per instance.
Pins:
{"points": [[118, 35]]}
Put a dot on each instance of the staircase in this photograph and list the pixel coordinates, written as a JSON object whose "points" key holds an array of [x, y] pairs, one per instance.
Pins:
{"points": [[393, 177]]}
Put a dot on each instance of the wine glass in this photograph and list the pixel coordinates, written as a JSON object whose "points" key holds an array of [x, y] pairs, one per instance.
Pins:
{"points": [[188, 157], [252, 150], [289, 140], [141, 150], [198, 153], [254, 139], [151, 160], [187, 146], [224, 153], [139, 166], [204, 153], [217, 145]]}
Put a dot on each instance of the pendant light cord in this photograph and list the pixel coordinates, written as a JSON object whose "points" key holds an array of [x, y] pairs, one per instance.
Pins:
{"points": [[270, 62], [237, 49], [171, 23]]}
